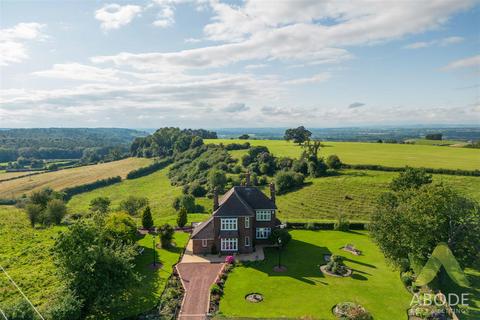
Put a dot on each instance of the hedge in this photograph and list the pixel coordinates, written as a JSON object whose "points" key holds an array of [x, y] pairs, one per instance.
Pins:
{"points": [[70, 192], [7, 202], [324, 225], [140, 172], [376, 167]]}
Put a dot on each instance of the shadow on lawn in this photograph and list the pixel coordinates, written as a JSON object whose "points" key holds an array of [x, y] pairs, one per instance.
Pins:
{"points": [[302, 259]]}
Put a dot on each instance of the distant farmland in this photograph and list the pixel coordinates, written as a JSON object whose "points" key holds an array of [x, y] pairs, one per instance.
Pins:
{"points": [[394, 155], [61, 179]]}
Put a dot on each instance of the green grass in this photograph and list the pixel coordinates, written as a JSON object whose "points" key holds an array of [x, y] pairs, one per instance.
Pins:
{"points": [[394, 155], [303, 291], [25, 253], [436, 142], [353, 193], [156, 187]]}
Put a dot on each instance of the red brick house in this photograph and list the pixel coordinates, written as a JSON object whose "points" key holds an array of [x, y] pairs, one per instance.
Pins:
{"points": [[244, 217]]}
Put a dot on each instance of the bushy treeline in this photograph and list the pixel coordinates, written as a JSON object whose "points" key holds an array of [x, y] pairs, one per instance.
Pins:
{"points": [[376, 167], [143, 171], [70, 192], [166, 142], [12, 154], [237, 146]]}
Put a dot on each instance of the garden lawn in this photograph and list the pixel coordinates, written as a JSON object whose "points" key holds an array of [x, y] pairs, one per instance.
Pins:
{"points": [[145, 296], [393, 155], [353, 193], [303, 291], [156, 187]]}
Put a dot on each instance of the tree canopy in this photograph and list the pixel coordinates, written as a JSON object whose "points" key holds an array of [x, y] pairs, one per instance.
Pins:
{"points": [[298, 135]]}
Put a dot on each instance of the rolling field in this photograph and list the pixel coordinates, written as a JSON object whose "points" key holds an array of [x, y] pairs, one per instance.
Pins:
{"points": [[353, 193], [156, 187], [70, 177], [25, 254], [8, 175], [393, 155]]}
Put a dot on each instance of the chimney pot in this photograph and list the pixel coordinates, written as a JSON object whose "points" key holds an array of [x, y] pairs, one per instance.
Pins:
{"points": [[247, 179], [272, 191]]}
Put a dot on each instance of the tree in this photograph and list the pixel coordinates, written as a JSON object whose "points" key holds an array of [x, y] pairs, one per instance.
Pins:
{"points": [[186, 201], [34, 212], [19, 310], [100, 205], [121, 227], [281, 234], [333, 162], [133, 204], [217, 179], [96, 269], [65, 306], [147, 220], [410, 178], [55, 211], [298, 135], [423, 218], [182, 217], [288, 180], [166, 235], [244, 137]]}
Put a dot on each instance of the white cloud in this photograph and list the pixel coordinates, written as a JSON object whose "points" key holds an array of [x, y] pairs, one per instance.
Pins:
{"points": [[114, 16], [236, 107], [321, 77], [166, 17], [470, 62], [439, 42], [356, 105], [77, 71], [13, 41], [294, 31]]}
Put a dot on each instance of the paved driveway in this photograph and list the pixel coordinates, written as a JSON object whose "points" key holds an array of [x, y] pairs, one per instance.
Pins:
{"points": [[197, 278]]}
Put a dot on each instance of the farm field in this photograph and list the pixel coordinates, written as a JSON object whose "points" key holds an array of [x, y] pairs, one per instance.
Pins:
{"points": [[309, 293], [393, 155], [353, 193], [156, 187], [437, 142], [8, 175], [70, 177], [25, 255]]}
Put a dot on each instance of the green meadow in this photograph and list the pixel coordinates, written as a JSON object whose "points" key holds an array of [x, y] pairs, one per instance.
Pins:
{"points": [[393, 155]]}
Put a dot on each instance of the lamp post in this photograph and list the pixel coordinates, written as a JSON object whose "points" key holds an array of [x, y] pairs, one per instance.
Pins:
{"points": [[279, 253]]}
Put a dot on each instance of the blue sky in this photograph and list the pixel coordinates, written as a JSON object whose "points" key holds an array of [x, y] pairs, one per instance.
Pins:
{"points": [[200, 63]]}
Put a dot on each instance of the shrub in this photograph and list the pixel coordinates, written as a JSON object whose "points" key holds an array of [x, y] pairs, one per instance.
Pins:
{"points": [[197, 190], [408, 278], [147, 220], [55, 211], [288, 180], [186, 201], [342, 223], [182, 217], [166, 235], [216, 290], [133, 204], [140, 172], [70, 192], [66, 306], [280, 234], [121, 227], [229, 259], [217, 179], [34, 212], [336, 265], [19, 310], [333, 162]]}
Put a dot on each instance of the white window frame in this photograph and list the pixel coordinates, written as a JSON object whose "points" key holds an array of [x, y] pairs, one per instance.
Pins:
{"points": [[228, 224], [229, 244], [264, 215], [247, 222], [263, 233], [204, 243], [247, 241]]}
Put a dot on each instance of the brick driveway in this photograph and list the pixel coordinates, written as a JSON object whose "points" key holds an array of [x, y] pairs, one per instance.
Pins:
{"points": [[197, 278]]}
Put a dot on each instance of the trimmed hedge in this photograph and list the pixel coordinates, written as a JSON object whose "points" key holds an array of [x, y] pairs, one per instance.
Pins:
{"points": [[140, 172], [323, 225], [456, 172], [7, 202], [70, 192]]}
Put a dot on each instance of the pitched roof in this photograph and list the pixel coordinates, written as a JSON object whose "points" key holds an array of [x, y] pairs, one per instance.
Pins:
{"points": [[243, 201], [204, 230]]}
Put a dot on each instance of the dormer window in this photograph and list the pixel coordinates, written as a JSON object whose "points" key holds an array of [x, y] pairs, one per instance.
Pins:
{"points": [[264, 215], [228, 224]]}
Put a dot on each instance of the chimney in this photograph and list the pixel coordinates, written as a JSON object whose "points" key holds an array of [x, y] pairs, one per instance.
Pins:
{"points": [[215, 199], [247, 179], [272, 191]]}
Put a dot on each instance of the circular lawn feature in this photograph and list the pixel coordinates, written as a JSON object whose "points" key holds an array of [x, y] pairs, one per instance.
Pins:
{"points": [[348, 272], [254, 297], [279, 268], [350, 310]]}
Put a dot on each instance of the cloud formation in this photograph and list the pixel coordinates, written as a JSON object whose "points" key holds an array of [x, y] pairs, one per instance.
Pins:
{"points": [[236, 107], [470, 62], [114, 16], [13, 41], [356, 105], [439, 42]]}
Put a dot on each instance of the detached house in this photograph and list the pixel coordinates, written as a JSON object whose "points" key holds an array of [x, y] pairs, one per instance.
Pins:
{"points": [[244, 217]]}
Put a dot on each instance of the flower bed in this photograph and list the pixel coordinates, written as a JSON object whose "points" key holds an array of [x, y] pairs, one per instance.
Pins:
{"points": [[351, 311], [335, 267], [216, 291]]}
